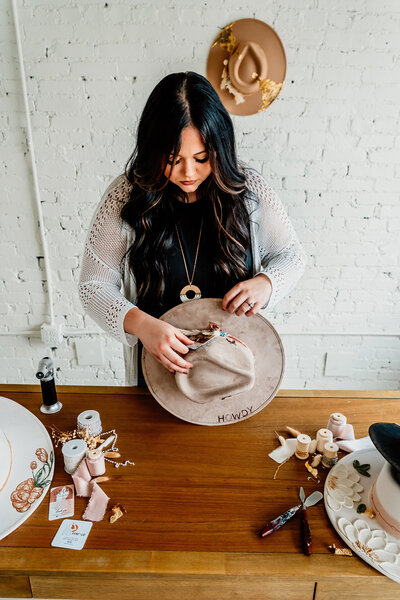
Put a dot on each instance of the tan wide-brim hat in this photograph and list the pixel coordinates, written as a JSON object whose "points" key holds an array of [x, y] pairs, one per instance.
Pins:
{"points": [[256, 332], [247, 66]]}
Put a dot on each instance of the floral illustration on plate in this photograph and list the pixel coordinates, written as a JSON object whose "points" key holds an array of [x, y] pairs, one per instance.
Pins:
{"points": [[32, 488]]}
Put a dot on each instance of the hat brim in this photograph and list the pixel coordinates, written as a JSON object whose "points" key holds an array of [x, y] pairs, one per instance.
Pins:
{"points": [[255, 31], [254, 331]]}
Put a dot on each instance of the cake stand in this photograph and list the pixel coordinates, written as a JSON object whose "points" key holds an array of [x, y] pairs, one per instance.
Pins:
{"points": [[345, 489]]}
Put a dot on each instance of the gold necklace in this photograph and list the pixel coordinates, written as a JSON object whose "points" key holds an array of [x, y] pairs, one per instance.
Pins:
{"points": [[190, 292]]}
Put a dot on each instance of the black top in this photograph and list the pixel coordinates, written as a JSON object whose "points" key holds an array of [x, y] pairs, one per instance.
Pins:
{"points": [[188, 220]]}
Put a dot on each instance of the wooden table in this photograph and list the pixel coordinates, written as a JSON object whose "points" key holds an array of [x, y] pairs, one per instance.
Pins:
{"points": [[195, 500]]}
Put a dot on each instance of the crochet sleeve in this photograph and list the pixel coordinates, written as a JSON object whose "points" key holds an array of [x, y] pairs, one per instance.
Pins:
{"points": [[282, 257], [101, 273]]}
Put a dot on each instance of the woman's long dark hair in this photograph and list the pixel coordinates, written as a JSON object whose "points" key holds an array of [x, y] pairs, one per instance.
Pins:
{"points": [[180, 100]]}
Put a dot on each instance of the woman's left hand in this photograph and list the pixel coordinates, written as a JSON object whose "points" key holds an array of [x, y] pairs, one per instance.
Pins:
{"points": [[247, 297]]}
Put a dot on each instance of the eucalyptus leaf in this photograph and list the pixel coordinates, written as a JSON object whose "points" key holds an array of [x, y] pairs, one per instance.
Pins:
{"points": [[362, 469]]}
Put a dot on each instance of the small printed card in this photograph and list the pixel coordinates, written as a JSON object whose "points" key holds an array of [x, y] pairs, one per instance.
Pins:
{"points": [[61, 502], [72, 534]]}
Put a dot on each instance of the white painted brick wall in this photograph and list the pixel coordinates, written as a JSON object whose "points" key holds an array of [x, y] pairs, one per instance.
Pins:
{"points": [[329, 146]]}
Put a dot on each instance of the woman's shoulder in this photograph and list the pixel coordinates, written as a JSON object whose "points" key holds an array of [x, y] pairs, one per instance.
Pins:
{"points": [[255, 182], [108, 211], [117, 192]]}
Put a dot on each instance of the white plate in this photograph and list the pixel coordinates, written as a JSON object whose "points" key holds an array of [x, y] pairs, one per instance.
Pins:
{"points": [[378, 548], [32, 464]]}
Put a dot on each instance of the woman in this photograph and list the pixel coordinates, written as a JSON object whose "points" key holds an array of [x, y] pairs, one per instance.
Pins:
{"points": [[185, 220]]}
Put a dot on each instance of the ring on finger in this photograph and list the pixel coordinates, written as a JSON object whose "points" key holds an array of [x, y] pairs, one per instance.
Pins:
{"points": [[251, 304]]}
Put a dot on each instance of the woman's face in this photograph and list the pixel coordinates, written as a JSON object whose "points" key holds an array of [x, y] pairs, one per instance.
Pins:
{"points": [[191, 166]]}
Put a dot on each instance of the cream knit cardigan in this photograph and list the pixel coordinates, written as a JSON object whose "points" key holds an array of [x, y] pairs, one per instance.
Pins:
{"points": [[107, 288]]}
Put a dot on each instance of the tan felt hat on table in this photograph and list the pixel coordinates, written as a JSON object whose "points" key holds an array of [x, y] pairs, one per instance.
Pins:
{"points": [[234, 376], [247, 66]]}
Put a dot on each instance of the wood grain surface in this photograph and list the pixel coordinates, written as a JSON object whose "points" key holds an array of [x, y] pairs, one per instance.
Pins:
{"points": [[195, 498]]}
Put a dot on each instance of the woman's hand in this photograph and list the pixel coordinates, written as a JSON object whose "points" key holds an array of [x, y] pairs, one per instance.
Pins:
{"points": [[247, 297], [164, 341]]}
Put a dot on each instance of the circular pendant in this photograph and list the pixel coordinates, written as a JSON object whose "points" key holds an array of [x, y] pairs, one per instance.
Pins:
{"points": [[190, 292]]}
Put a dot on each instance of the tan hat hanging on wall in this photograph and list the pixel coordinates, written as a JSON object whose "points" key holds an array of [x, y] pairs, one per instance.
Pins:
{"points": [[246, 66]]}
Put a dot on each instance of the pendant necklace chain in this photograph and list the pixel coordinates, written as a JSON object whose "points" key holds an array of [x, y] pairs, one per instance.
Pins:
{"points": [[190, 291]]}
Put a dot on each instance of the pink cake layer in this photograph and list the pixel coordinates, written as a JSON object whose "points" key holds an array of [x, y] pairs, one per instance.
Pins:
{"points": [[390, 524]]}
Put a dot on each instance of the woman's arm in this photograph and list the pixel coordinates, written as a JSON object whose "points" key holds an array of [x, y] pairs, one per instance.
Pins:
{"points": [[101, 280], [282, 257]]}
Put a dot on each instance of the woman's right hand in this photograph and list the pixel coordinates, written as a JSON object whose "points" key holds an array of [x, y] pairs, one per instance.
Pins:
{"points": [[164, 341]]}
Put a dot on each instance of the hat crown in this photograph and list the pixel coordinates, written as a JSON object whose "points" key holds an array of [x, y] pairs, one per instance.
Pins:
{"points": [[386, 438], [246, 65], [222, 369]]}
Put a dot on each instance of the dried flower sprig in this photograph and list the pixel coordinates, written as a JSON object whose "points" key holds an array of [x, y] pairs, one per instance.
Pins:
{"points": [[61, 437], [279, 466], [340, 551], [117, 511], [310, 469]]}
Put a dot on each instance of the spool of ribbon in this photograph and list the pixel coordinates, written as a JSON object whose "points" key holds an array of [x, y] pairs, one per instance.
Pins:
{"points": [[73, 453], [330, 456], [341, 430], [95, 462], [89, 420], [323, 437], [303, 443]]}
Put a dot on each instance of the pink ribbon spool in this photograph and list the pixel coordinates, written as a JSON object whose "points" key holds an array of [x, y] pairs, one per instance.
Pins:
{"points": [[340, 428], [95, 462]]}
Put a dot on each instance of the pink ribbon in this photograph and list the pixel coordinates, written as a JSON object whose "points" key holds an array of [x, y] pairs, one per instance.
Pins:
{"points": [[341, 430]]}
